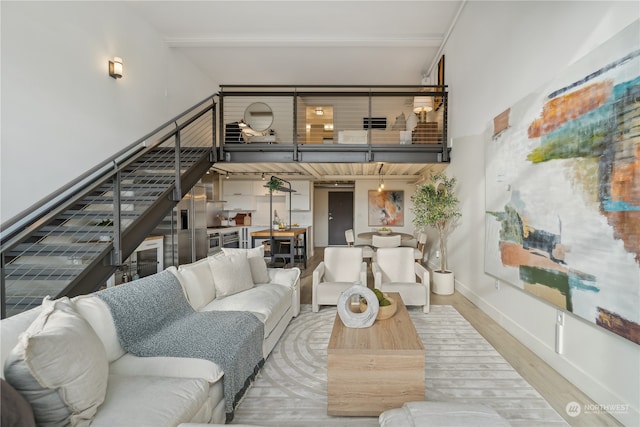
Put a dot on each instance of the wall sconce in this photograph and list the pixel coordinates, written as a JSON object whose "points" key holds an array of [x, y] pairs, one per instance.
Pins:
{"points": [[115, 68], [319, 111], [421, 106]]}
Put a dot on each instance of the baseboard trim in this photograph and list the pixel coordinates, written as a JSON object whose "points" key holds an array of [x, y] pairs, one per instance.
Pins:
{"points": [[574, 374]]}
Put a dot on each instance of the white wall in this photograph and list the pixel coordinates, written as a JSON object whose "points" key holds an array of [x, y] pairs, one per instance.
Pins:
{"points": [[498, 53], [361, 200], [61, 112], [360, 211]]}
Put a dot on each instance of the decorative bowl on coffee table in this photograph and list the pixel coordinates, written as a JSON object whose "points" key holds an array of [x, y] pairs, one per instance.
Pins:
{"points": [[385, 311]]}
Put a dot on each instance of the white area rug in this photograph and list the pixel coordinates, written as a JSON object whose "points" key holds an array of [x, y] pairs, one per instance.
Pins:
{"points": [[461, 366]]}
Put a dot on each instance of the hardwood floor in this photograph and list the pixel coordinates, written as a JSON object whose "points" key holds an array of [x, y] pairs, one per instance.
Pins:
{"points": [[549, 383]]}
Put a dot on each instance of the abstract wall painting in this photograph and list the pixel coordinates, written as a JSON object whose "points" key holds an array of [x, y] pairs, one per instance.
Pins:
{"points": [[386, 208], [563, 189]]}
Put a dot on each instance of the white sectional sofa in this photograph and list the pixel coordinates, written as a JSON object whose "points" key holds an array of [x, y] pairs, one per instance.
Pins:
{"points": [[72, 348]]}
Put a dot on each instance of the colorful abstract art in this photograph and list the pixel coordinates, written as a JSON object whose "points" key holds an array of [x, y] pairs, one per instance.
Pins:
{"points": [[386, 208], [563, 189]]}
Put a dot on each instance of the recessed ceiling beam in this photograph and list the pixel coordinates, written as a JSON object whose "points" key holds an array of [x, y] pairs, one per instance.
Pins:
{"points": [[256, 40], [310, 170], [370, 177]]}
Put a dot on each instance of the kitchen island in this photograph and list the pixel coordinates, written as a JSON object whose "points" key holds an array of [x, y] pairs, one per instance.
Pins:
{"points": [[295, 238]]}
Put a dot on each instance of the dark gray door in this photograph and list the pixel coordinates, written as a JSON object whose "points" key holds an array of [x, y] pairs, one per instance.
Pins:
{"points": [[340, 216]]}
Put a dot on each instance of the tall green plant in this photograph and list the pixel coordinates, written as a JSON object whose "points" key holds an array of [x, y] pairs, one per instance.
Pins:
{"points": [[435, 205]]}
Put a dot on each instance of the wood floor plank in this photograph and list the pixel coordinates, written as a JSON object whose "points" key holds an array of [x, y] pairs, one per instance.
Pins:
{"points": [[556, 389]]}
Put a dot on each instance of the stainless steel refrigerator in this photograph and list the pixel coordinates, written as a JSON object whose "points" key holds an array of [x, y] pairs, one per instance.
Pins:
{"points": [[185, 229]]}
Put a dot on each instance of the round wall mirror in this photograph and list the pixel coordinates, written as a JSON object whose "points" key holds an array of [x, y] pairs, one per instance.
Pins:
{"points": [[258, 116]]}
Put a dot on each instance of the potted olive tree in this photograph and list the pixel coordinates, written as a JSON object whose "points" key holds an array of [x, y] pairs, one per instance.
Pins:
{"points": [[435, 205]]}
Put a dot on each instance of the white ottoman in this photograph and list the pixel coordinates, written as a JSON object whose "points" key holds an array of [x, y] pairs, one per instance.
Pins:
{"points": [[442, 414]]}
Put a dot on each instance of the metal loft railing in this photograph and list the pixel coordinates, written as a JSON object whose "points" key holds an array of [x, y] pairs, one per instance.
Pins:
{"points": [[328, 124], [71, 242]]}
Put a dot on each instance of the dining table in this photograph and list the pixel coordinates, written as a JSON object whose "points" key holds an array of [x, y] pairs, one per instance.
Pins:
{"points": [[368, 235]]}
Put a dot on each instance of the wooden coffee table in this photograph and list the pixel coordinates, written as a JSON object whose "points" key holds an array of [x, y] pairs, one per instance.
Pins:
{"points": [[374, 369]]}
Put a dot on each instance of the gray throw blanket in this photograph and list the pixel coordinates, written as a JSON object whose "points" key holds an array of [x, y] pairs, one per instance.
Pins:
{"points": [[153, 318]]}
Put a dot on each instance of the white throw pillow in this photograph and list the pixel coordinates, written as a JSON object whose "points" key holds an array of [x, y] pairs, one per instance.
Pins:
{"points": [[60, 366], [197, 282], [249, 253], [259, 272], [231, 274], [95, 311], [257, 263]]}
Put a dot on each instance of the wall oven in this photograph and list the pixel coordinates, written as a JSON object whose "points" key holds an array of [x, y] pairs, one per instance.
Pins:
{"points": [[231, 239], [215, 242]]}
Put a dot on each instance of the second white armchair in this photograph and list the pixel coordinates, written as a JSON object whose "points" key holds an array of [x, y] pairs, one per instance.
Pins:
{"points": [[395, 270]]}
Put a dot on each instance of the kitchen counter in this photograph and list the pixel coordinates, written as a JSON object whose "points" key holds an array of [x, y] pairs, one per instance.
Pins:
{"points": [[294, 231], [297, 246], [223, 230], [246, 238]]}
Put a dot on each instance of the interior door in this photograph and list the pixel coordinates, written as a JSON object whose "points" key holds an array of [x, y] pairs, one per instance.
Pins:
{"points": [[340, 216]]}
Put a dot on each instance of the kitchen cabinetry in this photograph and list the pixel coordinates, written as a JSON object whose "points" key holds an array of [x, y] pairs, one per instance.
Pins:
{"points": [[245, 235], [238, 195], [240, 188], [246, 195], [259, 188], [300, 199]]}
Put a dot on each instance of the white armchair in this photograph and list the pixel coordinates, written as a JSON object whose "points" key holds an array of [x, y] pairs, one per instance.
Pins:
{"points": [[395, 270], [341, 268]]}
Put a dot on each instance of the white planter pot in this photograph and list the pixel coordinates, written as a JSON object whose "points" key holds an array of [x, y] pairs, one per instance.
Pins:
{"points": [[443, 283]]}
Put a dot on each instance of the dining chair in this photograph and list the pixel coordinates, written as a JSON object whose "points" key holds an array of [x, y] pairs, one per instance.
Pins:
{"points": [[386, 241], [418, 251], [395, 270], [367, 251]]}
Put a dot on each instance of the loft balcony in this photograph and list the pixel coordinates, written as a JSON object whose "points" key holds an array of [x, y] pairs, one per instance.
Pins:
{"points": [[333, 124]]}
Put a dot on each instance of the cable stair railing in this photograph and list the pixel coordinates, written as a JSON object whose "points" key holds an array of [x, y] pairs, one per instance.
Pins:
{"points": [[72, 242]]}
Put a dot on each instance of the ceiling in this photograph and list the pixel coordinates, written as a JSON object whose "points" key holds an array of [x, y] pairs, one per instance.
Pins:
{"points": [[309, 43], [331, 172]]}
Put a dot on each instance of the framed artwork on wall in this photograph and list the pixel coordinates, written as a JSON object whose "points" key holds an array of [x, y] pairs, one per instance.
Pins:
{"points": [[562, 204], [386, 208], [437, 102]]}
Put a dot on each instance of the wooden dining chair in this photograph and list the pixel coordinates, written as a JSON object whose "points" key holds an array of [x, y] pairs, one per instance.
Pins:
{"points": [[418, 251], [367, 251]]}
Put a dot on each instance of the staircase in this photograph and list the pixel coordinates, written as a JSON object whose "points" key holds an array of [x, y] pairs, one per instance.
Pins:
{"points": [[72, 242]]}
